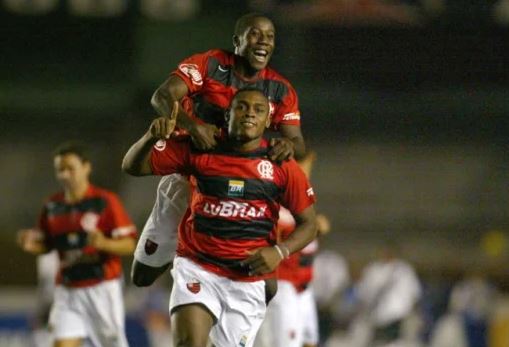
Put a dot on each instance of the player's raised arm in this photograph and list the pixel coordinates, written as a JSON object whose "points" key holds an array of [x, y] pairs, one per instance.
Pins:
{"points": [[136, 161], [173, 90], [290, 145]]}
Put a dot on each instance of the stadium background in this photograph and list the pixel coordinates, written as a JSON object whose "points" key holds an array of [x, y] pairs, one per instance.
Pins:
{"points": [[406, 106]]}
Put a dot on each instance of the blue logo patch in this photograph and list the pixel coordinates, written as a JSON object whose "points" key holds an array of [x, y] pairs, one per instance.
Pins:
{"points": [[235, 189]]}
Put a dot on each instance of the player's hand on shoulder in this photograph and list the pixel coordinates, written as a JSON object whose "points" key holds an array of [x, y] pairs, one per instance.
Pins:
{"points": [[162, 127], [204, 136], [281, 149]]}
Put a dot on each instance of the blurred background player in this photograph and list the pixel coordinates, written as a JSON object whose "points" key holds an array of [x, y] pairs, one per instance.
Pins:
{"points": [[204, 84], [387, 294], [226, 244], [291, 318], [90, 229]]}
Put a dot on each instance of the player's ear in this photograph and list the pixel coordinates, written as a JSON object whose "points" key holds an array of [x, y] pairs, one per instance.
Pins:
{"points": [[227, 115], [236, 41]]}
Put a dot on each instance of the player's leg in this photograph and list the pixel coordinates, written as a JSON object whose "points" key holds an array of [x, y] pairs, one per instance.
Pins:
{"points": [[285, 321], [243, 312], [158, 241], [309, 314], [106, 314], [195, 304], [191, 325]]}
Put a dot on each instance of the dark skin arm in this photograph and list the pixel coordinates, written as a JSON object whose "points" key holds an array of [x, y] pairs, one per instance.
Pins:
{"points": [[136, 161], [143, 275], [265, 260], [174, 89]]}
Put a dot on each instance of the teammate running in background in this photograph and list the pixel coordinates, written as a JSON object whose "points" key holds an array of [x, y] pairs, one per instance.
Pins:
{"points": [[90, 229], [204, 85], [292, 319], [227, 240]]}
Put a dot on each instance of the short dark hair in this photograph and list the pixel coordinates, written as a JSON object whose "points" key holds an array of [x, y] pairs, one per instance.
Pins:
{"points": [[243, 22], [72, 147], [249, 89]]}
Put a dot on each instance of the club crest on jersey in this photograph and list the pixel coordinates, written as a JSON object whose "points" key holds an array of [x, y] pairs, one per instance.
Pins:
{"points": [[235, 188], [266, 169], [191, 71], [89, 221], [160, 145], [243, 341], [194, 286], [150, 247]]}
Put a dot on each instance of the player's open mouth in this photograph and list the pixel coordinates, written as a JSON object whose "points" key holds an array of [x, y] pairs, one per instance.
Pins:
{"points": [[248, 124], [261, 55]]}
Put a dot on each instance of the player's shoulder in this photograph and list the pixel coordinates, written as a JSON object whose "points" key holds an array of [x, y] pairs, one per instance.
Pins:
{"points": [[54, 198], [103, 193], [223, 56], [271, 74]]}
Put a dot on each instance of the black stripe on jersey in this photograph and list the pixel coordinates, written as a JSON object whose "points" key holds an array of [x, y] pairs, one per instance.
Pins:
{"points": [[232, 264], [69, 240], [55, 208], [218, 72], [306, 260], [273, 89], [254, 189], [228, 229]]}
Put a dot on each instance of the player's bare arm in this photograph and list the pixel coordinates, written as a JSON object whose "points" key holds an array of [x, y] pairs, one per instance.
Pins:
{"points": [[136, 161], [122, 246], [290, 145], [174, 89], [265, 260]]}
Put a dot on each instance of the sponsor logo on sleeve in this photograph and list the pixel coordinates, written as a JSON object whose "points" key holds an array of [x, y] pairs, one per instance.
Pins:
{"points": [[266, 169], [235, 188], [191, 71], [160, 145], [310, 192], [292, 116]]}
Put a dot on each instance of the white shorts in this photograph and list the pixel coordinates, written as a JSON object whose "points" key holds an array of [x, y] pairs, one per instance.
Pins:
{"points": [[95, 313], [238, 307], [158, 240], [282, 326], [307, 306]]}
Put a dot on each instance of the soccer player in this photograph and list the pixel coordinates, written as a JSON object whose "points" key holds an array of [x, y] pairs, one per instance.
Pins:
{"points": [[204, 85], [227, 238], [90, 230]]}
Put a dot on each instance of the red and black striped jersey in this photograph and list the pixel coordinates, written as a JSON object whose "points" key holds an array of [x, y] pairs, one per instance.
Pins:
{"points": [[234, 204], [65, 228], [212, 82], [298, 268]]}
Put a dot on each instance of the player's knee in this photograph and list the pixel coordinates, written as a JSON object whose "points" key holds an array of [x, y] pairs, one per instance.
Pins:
{"points": [[189, 341], [143, 275]]}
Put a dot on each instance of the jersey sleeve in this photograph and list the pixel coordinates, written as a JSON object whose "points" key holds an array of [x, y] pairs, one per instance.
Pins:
{"points": [[193, 71], [115, 221], [298, 194], [170, 156], [42, 224], [287, 111]]}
